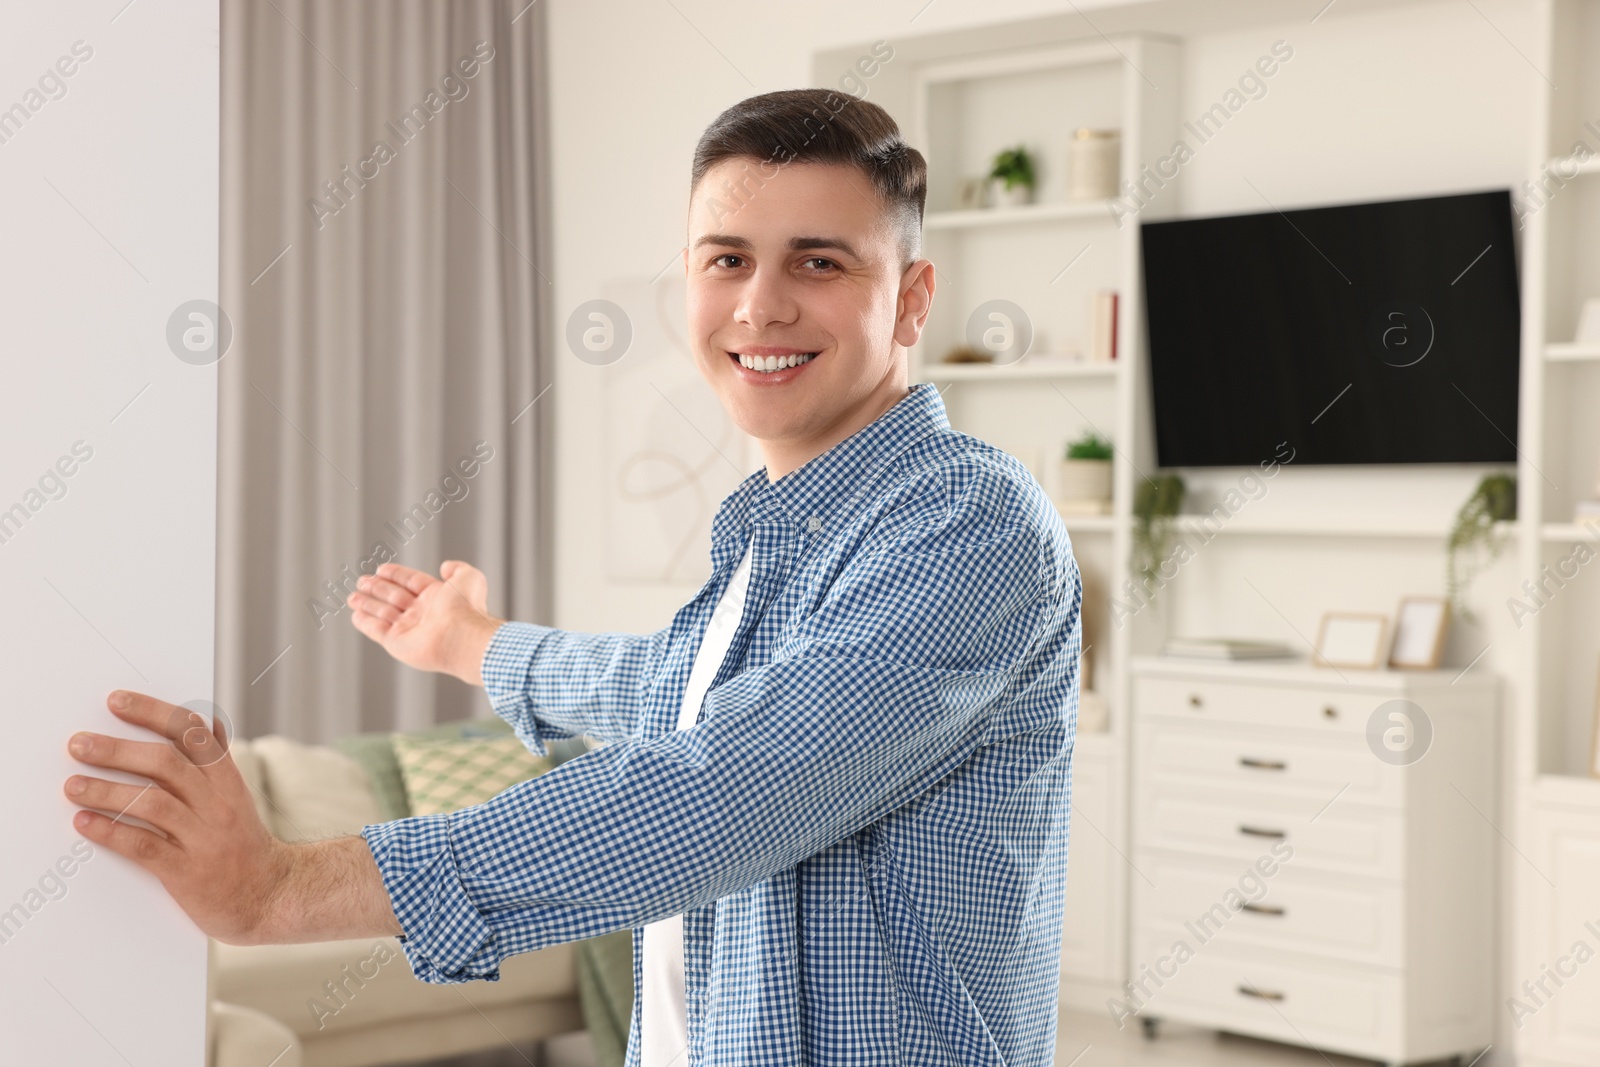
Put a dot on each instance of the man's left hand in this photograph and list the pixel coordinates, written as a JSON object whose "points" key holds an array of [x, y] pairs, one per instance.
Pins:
{"points": [[213, 853]]}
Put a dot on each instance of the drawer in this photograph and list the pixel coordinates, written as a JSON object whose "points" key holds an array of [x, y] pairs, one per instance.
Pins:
{"points": [[1331, 1007], [1330, 710], [1344, 838], [1231, 904], [1267, 763]]}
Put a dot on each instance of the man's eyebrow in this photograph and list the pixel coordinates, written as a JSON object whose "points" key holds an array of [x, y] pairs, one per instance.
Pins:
{"points": [[800, 244], [796, 244]]}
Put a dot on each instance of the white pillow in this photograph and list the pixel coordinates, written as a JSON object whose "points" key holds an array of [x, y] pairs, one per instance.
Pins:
{"points": [[249, 764], [316, 792]]}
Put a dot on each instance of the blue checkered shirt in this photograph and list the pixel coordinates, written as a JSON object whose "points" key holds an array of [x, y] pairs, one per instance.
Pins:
{"points": [[866, 830]]}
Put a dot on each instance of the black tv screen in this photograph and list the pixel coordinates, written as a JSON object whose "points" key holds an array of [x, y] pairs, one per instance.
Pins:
{"points": [[1366, 333]]}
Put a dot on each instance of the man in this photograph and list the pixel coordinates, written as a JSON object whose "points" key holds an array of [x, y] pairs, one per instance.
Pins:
{"points": [[832, 799]]}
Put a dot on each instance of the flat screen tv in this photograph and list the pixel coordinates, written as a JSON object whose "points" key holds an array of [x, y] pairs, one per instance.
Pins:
{"points": [[1358, 334]]}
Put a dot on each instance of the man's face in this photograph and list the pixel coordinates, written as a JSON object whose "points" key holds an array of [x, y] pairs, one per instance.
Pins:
{"points": [[793, 261]]}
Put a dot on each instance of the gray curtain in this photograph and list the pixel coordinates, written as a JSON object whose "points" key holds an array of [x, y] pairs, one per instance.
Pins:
{"points": [[383, 207]]}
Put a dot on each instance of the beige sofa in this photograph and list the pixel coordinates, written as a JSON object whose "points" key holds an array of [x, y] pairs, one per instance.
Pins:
{"points": [[356, 1003], [242, 1036]]}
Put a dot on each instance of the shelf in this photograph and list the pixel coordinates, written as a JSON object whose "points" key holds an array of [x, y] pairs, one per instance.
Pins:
{"points": [[1260, 528], [1024, 213], [1572, 351], [1570, 531], [1077, 524], [984, 372], [1562, 166]]}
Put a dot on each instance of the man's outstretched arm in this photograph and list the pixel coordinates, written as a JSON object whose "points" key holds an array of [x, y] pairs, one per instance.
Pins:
{"points": [[546, 682], [222, 865], [891, 684], [892, 688]]}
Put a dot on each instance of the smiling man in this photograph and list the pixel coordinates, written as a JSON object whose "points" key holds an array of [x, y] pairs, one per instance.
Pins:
{"points": [[832, 799]]}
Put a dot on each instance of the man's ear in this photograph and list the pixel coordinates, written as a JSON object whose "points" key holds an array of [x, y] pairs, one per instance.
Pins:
{"points": [[914, 302]]}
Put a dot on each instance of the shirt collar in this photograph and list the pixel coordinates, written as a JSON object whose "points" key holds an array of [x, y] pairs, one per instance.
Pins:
{"points": [[810, 495]]}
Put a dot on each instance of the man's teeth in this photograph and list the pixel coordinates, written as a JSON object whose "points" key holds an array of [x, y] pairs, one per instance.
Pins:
{"points": [[772, 363]]}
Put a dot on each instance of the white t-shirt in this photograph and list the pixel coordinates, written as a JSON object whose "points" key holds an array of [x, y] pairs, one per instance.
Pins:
{"points": [[664, 1026]]}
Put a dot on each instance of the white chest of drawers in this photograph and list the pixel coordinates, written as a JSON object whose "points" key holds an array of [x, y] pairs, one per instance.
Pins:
{"points": [[1294, 880]]}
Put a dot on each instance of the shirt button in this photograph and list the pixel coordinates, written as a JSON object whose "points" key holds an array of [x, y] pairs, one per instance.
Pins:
{"points": [[813, 524]]}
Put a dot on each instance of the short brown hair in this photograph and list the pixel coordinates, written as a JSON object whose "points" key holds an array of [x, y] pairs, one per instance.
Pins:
{"points": [[823, 126]]}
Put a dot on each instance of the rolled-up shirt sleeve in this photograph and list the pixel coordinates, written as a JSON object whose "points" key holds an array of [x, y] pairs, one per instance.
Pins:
{"points": [[886, 687]]}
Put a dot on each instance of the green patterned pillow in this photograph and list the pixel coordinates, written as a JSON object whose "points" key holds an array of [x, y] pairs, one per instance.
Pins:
{"points": [[448, 774]]}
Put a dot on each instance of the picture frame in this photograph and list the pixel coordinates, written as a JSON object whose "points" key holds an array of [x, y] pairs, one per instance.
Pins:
{"points": [[1352, 639], [1420, 625]]}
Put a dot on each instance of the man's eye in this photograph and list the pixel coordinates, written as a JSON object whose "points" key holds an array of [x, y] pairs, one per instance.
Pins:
{"points": [[725, 255], [819, 259]]}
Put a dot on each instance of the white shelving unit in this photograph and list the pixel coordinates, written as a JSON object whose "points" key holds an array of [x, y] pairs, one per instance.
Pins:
{"points": [[1355, 527], [1048, 257], [1557, 877]]}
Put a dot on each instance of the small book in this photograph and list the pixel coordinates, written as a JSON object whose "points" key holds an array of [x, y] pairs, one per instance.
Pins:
{"points": [[1103, 326], [1226, 648]]}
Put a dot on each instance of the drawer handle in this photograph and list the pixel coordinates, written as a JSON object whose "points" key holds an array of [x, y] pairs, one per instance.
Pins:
{"points": [[1256, 831], [1252, 991], [1263, 764], [1330, 712], [1194, 700], [1263, 909]]}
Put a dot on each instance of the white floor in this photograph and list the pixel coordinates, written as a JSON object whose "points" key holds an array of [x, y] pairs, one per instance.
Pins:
{"points": [[1091, 1039]]}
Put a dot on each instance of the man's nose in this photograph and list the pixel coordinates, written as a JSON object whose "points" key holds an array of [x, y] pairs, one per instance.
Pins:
{"points": [[767, 298]]}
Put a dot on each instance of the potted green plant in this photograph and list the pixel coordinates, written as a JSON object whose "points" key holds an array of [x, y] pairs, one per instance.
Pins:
{"points": [[1155, 508], [1011, 177], [1475, 531], [1084, 487]]}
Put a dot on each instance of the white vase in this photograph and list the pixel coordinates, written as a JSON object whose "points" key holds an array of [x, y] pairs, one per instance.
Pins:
{"points": [[1084, 480], [1092, 165], [1016, 196]]}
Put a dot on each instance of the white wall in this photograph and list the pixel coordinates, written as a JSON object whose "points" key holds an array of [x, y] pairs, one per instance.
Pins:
{"points": [[108, 187]]}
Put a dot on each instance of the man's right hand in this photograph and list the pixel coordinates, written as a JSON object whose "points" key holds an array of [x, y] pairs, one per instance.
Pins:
{"points": [[433, 624]]}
